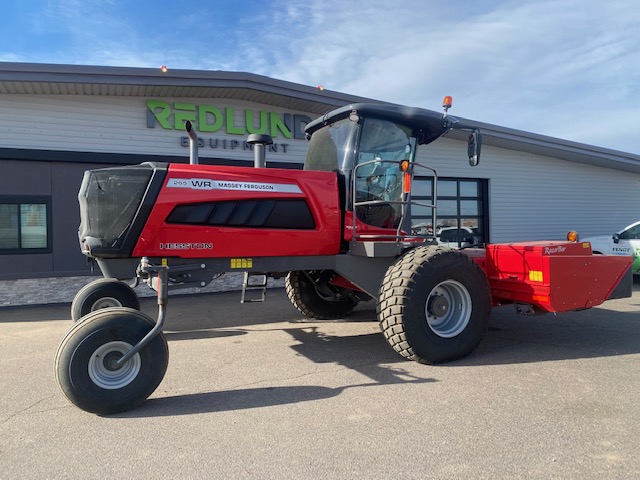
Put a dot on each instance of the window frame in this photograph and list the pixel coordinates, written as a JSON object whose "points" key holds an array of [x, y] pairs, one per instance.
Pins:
{"points": [[20, 200], [482, 198]]}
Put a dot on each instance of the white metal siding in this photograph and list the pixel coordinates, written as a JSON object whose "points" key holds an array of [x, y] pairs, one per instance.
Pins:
{"points": [[118, 125], [534, 198]]}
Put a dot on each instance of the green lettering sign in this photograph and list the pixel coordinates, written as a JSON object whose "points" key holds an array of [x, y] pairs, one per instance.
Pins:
{"points": [[231, 128], [278, 124], [204, 113], [208, 118], [161, 116], [248, 114], [183, 112]]}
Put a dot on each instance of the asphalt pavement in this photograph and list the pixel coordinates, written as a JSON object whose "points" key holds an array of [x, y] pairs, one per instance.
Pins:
{"points": [[256, 391]]}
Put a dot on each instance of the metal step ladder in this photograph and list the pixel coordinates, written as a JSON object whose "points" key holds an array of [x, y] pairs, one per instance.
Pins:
{"points": [[259, 284]]}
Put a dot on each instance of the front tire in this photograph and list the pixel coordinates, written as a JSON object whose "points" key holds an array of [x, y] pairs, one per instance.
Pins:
{"points": [[85, 361], [434, 305], [103, 293], [311, 293]]}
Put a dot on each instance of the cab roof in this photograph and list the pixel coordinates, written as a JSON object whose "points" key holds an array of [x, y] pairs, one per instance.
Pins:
{"points": [[426, 124]]}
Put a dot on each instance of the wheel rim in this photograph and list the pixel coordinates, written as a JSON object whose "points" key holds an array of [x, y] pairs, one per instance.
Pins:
{"points": [[105, 302], [103, 371], [448, 309]]}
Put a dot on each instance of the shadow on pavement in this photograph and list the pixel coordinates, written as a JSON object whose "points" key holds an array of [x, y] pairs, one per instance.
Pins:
{"points": [[612, 329], [597, 332], [201, 334], [35, 313], [511, 339], [366, 354], [243, 399]]}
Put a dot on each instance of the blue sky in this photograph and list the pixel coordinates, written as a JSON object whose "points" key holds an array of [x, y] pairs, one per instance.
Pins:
{"points": [[565, 68]]}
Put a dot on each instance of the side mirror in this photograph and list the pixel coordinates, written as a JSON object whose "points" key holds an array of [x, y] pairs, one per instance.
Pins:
{"points": [[473, 147], [616, 238]]}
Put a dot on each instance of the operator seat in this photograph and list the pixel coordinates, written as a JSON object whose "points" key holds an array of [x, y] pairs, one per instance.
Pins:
{"points": [[377, 215]]}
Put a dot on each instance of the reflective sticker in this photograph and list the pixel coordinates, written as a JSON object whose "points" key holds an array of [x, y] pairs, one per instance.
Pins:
{"points": [[535, 276], [211, 184], [241, 263]]}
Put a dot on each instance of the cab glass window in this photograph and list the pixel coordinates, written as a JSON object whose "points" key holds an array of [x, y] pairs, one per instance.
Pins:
{"points": [[383, 144], [331, 147]]}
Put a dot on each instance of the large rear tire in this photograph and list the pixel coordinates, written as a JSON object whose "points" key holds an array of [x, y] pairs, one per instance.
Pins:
{"points": [[311, 293], [434, 305], [85, 361], [103, 293]]}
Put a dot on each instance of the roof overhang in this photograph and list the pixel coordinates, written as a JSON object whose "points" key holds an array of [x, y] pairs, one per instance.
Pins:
{"points": [[50, 79], [53, 79]]}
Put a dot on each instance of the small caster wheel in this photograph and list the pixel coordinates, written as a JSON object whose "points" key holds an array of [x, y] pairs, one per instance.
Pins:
{"points": [[86, 361], [103, 293]]}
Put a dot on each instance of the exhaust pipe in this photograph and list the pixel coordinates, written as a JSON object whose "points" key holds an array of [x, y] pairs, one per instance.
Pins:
{"points": [[259, 142], [193, 144]]}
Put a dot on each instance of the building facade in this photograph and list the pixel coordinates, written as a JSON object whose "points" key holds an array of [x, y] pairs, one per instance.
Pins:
{"points": [[56, 121]]}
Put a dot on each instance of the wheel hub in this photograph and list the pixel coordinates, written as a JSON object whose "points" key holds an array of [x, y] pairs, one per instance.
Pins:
{"points": [[438, 306], [448, 309], [110, 361], [104, 371], [105, 302]]}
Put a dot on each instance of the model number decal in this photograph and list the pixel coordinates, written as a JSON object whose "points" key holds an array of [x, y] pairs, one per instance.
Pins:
{"points": [[209, 184]]}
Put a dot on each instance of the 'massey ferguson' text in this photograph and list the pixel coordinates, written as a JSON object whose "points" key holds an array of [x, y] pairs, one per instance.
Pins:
{"points": [[210, 184]]}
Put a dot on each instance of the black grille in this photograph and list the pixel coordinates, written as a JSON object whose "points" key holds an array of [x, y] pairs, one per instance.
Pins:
{"points": [[114, 205], [109, 199]]}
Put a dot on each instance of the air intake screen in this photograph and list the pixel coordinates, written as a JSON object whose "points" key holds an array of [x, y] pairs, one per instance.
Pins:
{"points": [[288, 214]]}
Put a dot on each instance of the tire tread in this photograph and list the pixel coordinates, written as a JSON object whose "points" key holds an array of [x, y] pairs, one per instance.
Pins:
{"points": [[395, 290], [322, 310]]}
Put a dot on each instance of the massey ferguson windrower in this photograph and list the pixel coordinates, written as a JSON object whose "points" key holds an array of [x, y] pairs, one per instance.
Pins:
{"points": [[341, 231]]}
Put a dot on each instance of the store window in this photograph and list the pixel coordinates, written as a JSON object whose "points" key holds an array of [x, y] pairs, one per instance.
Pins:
{"points": [[461, 211], [25, 224]]}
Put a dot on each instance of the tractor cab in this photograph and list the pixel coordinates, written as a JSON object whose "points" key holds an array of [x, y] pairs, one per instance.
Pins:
{"points": [[372, 147]]}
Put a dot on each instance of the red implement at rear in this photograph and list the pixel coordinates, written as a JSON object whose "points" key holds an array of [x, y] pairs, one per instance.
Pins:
{"points": [[554, 276]]}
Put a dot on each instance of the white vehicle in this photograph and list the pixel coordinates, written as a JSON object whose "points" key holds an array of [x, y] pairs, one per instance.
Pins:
{"points": [[453, 237], [625, 242]]}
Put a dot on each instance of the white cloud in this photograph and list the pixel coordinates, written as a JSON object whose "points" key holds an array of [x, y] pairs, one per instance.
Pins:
{"points": [[550, 67], [565, 68], [11, 57]]}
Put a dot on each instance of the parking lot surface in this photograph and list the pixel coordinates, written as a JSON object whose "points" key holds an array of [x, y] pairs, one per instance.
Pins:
{"points": [[256, 391]]}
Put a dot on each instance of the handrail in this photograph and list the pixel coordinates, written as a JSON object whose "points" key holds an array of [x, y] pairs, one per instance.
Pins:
{"points": [[401, 235]]}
